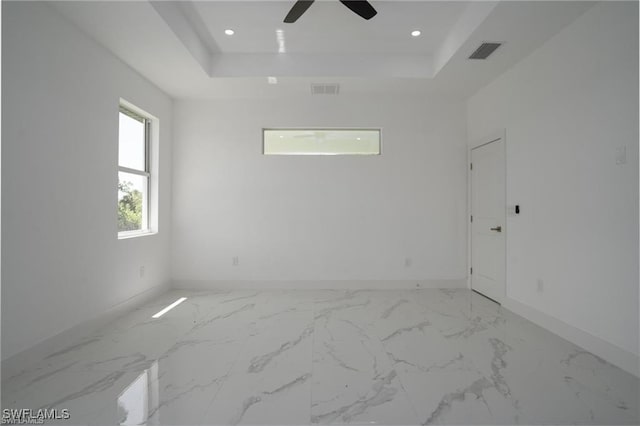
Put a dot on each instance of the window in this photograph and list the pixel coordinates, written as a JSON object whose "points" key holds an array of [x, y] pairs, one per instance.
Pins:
{"points": [[133, 173], [321, 141]]}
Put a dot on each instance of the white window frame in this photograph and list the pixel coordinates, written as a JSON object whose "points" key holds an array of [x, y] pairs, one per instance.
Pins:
{"points": [[133, 112], [330, 129]]}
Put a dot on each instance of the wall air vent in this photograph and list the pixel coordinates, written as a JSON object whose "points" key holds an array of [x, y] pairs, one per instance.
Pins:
{"points": [[485, 50], [325, 88]]}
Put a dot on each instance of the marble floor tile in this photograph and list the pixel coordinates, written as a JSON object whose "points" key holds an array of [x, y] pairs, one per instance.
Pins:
{"points": [[395, 357], [436, 375], [353, 378], [270, 380], [189, 375], [84, 394]]}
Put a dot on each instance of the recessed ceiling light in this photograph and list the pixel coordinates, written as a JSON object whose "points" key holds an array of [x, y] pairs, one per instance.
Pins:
{"points": [[272, 80], [416, 33], [229, 32]]}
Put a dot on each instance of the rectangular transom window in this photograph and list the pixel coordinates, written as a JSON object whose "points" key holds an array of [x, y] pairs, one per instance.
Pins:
{"points": [[133, 173], [321, 141]]}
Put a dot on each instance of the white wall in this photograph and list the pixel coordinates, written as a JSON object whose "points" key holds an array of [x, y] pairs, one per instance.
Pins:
{"points": [[316, 219], [0, 191], [567, 108], [61, 260]]}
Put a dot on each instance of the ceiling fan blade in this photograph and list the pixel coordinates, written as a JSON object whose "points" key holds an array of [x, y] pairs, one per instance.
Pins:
{"points": [[297, 10], [360, 7]]}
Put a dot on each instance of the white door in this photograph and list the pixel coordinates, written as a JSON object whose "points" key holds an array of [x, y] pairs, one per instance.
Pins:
{"points": [[488, 220]]}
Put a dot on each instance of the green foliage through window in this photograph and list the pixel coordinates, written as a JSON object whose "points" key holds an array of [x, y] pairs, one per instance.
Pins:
{"points": [[129, 207]]}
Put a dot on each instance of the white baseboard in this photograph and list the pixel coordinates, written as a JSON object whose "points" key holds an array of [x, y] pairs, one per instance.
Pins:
{"points": [[14, 363], [317, 284], [616, 355]]}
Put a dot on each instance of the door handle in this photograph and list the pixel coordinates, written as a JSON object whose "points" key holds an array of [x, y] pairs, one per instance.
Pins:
{"points": [[497, 229]]}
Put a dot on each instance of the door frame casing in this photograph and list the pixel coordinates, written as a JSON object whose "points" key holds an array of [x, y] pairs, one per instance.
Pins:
{"points": [[491, 137]]}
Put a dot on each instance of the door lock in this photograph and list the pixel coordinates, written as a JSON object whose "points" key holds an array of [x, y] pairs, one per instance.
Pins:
{"points": [[497, 229]]}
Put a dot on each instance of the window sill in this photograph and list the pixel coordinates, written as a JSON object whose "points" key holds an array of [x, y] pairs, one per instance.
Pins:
{"points": [[135, 234]]}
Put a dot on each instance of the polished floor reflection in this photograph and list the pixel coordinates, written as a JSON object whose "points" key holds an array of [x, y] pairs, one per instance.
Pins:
{"points": [[325, 357]]}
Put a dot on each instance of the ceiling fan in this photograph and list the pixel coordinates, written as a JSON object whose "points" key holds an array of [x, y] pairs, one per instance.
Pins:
{"points": [[360, 7]]}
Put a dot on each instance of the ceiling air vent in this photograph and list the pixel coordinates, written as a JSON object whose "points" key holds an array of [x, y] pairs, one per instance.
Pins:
{"points": [[484, 50], [325, 88]]}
